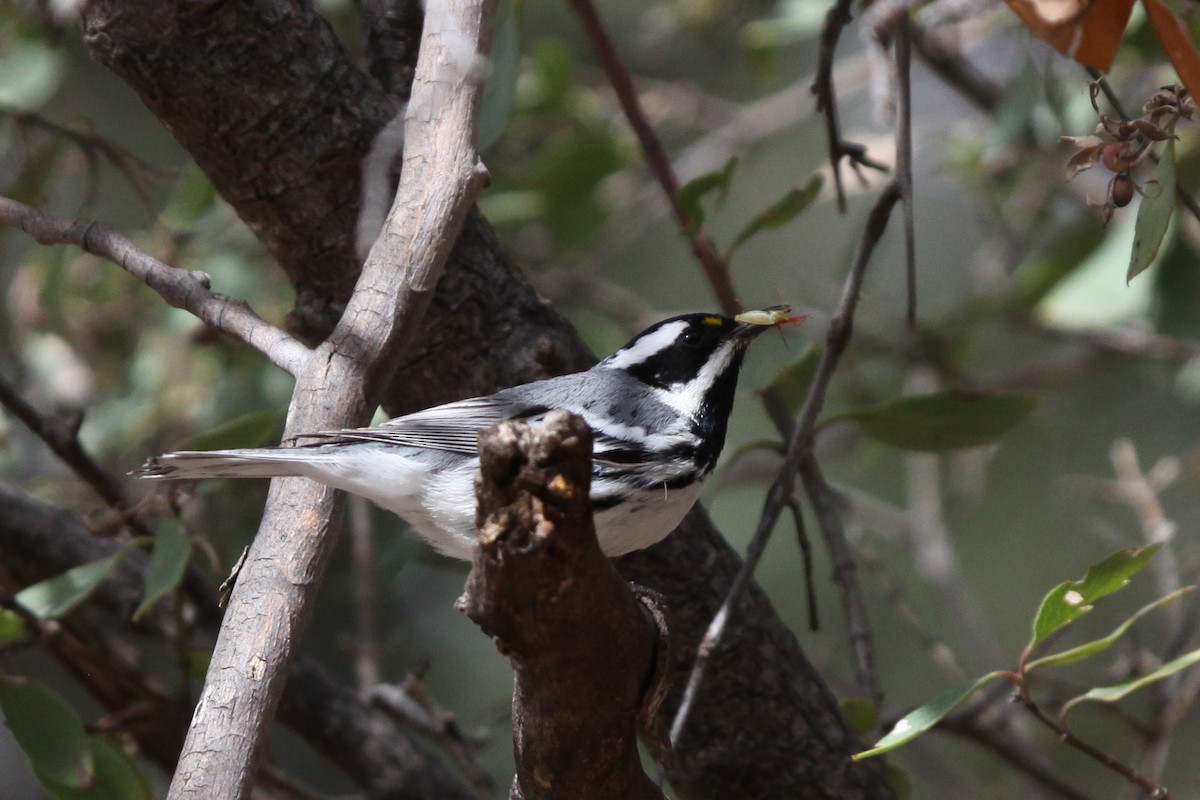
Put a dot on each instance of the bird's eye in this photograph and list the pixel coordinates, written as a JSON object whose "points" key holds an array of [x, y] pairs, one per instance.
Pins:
{"points": [[691, 338]]}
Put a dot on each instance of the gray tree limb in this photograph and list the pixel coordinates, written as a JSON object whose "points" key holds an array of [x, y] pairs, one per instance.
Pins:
{"points": [[271, 603], [180, 288]]}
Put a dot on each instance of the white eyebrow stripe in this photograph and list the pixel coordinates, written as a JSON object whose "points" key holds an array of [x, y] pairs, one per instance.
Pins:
{"points": [[645, 347]]}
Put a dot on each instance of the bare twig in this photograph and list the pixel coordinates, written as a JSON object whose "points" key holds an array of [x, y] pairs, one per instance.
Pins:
{"points": [[957, 72], [810, 589], [137, 172], [1151, 787], [702, 245], [1171, 697], [800, 451], [830, 510], [180, 288], [1018, 755], [271, 603], [62, 436], [1139, 491], [904, 158], [836, 19], [933, 548]]}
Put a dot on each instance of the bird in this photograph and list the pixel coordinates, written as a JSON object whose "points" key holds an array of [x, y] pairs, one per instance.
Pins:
{"points": [[658, 409]]}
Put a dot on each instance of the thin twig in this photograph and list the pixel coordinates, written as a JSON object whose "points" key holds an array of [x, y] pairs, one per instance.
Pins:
{"points": [[904, 159], [136, 171], [830, 508], [836, 19], [62, 437], [957, 72], [800, 450], [810, 591], [701, 243], [1152, 788], [180, 288], [1172, 696], [1018, 755]]}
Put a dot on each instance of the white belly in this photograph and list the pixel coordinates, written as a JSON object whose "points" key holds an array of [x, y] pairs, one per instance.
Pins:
{"points": [[645, 520], [441, 507]]}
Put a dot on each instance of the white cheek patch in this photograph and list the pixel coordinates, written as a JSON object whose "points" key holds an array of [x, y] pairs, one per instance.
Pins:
{"points": [[687, 397], [645, 347]]}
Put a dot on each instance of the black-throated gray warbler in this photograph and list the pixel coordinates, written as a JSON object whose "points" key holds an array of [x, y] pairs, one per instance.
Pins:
{"points": [[658, 408]]}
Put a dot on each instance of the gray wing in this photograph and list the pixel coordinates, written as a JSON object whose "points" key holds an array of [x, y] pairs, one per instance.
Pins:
{"points": [[453, 427]]}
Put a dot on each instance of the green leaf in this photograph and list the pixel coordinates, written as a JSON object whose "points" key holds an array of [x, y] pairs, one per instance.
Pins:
{"points": [[168, 562], [922, 719], [12, 628], [1111, 694], [942, 421], [692, 192], [500, 92], [1154, 213], [792, 382], [48, 730], [1070, 600], [249, 430], [55, 596], [117, 777], [778, 214], [1100, 645]]}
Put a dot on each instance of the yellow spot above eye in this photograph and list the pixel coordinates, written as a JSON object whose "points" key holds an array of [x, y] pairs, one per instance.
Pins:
{"points": [[716, 322]]}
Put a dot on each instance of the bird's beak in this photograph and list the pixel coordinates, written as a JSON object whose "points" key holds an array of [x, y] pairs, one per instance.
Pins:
{"points": [[752, 324]]}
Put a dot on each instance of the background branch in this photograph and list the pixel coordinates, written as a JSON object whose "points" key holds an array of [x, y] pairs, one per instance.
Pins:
{"points": [[715, 268], [38, 541], [188, 290], [799, 460], [62, 436]]}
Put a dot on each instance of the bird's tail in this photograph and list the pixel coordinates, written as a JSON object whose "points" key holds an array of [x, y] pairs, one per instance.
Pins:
{"points": [[270, 462]]}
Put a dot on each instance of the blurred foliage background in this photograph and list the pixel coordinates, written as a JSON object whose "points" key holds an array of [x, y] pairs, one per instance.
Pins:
{"points": [[1020, 287]]}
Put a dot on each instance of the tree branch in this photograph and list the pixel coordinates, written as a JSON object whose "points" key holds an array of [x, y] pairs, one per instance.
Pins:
{"points": [[271, 603], [715, 268], [799, 460], [188, 290], [583, 653], [62, 437]]}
